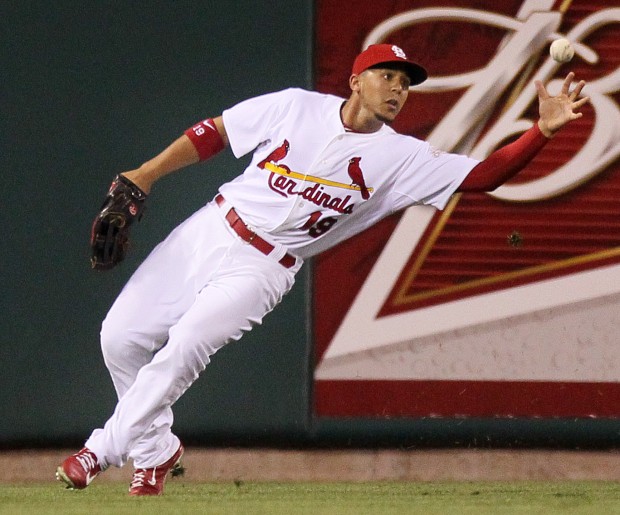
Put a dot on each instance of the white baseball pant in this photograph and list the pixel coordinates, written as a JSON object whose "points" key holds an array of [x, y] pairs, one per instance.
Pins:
{"points": [[199, 289]]}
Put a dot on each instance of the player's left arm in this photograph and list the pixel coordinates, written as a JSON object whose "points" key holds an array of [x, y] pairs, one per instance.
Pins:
{"points": [[504, 163]]}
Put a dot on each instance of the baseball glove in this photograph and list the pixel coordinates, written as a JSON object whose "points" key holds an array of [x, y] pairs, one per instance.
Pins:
{"points": [[109, 238]]}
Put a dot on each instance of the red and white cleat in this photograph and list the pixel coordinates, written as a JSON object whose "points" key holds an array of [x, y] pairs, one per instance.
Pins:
{"points": [[151, 481], [79, 469]]}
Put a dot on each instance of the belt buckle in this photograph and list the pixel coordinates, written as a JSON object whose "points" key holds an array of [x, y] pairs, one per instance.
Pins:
{"points": [[253, 234]]}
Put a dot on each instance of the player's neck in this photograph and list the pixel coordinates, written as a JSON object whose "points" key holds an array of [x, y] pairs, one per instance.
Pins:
{"points": [[355, 119]]}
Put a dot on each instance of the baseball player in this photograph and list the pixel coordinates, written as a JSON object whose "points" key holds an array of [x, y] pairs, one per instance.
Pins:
{"points": [[323, 169]]}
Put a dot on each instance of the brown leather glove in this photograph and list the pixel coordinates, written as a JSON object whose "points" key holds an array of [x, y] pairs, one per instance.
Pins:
{"points": [[109, 238]]}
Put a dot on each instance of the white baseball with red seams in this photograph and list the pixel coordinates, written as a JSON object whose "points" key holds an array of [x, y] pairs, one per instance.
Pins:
{"points": [[561, 50]]}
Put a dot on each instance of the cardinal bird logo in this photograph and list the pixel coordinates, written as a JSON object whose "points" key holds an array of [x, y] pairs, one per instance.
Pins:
{"points": [[277, 155], [355, 172]]}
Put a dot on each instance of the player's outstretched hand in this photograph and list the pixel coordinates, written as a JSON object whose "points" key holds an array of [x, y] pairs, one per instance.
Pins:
{"points": [[555, 112]]}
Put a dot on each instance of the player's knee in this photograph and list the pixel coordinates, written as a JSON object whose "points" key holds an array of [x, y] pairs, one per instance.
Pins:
{"points": [[116, 343], [112, 342], [196, 344]]}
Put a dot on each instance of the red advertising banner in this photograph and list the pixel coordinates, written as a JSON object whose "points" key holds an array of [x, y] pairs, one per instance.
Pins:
{"points": [[504, 304]]}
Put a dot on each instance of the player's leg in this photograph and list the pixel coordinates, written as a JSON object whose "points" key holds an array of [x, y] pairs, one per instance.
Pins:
{"points": [[162, 289], [246, 287], [156, 296], [137, 325], [153, 300]]}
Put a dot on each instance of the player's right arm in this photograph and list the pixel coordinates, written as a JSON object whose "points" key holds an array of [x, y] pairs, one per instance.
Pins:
{"points": [[504, 163], [198, 143]]}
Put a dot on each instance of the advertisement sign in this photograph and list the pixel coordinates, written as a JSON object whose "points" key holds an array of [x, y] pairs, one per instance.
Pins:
{"points": [[505, 304]]}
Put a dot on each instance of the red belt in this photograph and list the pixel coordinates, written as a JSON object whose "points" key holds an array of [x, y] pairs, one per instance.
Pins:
{"points": [[249, 236]]}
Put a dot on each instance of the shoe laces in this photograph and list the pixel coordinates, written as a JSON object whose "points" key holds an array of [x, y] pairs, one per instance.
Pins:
{"points": [[139, 478], [87, 460]]}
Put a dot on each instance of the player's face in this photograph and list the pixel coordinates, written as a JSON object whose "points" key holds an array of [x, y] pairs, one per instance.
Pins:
{"points": [[383, 92]]}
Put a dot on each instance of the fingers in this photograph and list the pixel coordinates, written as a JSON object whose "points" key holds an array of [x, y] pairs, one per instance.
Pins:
{"points": [[577, 91], [567, 82], [543, 94], [581, 102], [542, 91]]}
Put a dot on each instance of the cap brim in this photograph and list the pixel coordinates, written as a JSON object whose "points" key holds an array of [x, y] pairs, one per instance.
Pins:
{"points": [[416, 73]]}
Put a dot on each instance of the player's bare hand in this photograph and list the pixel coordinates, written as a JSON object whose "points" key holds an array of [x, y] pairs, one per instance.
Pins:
{"points": [[555, 112]]}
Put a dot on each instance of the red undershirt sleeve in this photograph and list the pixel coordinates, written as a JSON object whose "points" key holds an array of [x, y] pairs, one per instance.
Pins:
{"points": [[505, 162]]}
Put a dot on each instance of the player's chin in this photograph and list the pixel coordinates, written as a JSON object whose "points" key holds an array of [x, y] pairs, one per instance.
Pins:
{"points": [[389, 112], [387, 117]]}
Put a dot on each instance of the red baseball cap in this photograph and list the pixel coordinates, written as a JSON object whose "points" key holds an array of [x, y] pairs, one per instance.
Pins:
{"points": [[385, 53]]}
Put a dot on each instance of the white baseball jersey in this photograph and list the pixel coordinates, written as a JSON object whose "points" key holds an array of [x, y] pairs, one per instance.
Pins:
{"points": [[312, 184]]}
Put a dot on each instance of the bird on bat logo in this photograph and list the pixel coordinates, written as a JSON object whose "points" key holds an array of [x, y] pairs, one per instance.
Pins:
{"points": [[355, 172], [276, 155]]}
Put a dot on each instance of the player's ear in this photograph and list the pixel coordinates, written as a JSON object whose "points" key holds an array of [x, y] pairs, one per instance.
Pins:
{"points": [[354, 82]]}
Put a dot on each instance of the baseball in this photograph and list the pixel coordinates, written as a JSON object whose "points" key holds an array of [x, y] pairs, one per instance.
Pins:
{"points": [[561, 50]]}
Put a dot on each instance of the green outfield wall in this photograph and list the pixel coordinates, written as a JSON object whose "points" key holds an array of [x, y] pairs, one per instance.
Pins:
{"points": [[90, 89]]}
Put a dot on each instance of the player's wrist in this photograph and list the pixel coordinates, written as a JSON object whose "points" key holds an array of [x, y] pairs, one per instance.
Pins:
{"points": [[544, 129], [140, 179]]}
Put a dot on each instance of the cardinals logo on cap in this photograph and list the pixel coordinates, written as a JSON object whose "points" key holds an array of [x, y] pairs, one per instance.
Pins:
{"points": [[399, 52]]}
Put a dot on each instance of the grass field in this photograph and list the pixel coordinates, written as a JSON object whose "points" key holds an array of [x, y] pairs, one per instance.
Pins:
{"points": [[385, 498]]}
